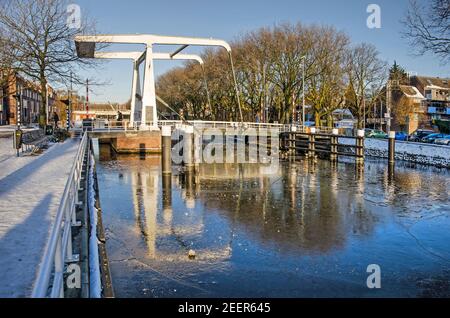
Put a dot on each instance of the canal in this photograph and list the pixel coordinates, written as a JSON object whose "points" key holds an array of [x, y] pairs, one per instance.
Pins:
{"points": [[310, 230]]}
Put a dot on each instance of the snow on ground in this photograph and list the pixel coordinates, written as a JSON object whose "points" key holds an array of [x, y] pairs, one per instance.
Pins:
{"points": [[6, 141], [416, 152], [6, 148], [30, 192]]}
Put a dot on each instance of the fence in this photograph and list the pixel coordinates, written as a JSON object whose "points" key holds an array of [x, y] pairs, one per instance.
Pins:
{"points": [[313, 143], [59, 247]]}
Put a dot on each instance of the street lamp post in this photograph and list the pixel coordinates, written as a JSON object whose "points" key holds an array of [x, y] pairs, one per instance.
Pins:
{"points": [[47, 112], [364, 110], [18, 132], [303, 88], [263, 110]]}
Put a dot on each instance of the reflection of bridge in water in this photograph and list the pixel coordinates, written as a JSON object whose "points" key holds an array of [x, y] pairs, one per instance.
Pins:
{"points": [[321, 219], [297, 214]]}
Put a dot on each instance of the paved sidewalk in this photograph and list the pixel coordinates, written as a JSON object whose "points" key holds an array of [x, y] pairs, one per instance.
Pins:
{"points": [[30, 191]]}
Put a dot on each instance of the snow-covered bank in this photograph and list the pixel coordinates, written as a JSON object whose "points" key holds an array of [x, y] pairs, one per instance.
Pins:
{"points": [[95, 284], [6, 148], [428, 154], [30, 192]]}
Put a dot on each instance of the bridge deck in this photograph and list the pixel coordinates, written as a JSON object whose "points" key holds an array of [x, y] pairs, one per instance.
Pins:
{"points": [[30, 193]]}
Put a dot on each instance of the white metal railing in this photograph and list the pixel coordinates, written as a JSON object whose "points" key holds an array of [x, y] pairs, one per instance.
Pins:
{"points": [[114, 125], [219, 124], [58, 251], [104, 125]]}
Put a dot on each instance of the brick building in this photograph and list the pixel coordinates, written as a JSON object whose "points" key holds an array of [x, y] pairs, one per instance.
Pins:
{"points": [[17, 88]]}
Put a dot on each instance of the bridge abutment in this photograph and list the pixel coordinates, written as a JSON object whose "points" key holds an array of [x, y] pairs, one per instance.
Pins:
{"points": [[135, 142]]}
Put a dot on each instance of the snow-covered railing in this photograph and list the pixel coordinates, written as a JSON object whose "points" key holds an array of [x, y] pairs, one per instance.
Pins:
{"points": [[58, 251]]}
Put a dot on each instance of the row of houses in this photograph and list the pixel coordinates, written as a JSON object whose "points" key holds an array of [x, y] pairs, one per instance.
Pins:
{"points": [[19, 96], [420, 104]]}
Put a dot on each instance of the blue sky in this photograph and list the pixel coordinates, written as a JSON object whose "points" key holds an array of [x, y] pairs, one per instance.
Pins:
{"points": [[227, 19]]}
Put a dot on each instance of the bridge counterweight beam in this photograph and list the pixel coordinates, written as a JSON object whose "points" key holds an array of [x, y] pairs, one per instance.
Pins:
{"points": [[149, 113]]}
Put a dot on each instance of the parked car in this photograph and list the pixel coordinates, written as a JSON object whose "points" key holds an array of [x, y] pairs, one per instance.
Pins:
{"points": [[400, 135], [373, 133], [431, 138], [443, 141], [310, 123], [367, 132], [419, 134]]}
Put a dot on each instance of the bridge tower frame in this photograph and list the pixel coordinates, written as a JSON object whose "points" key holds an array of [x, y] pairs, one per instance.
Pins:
{"points": [[86, 44]]}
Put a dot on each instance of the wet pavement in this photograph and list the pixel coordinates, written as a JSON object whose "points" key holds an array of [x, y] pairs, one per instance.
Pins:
{"points": [[310, 230]]}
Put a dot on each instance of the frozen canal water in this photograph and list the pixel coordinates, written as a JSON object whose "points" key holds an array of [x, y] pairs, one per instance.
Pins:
{"points": [[311, 230]]}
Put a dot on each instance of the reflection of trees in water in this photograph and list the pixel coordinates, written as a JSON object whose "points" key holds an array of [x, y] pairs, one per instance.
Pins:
{"points": [[299, 209]]}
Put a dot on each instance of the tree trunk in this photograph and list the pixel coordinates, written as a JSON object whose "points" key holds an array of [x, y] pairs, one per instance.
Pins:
{"points": [[42, 113], [329, 121], [317, 119]]}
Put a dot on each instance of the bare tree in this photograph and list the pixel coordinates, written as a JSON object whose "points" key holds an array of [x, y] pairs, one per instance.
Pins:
{"points": [[269, 67], [366, 75], [7, 59], [291, 44], [326, 86], [38, 32], [427, 27]]}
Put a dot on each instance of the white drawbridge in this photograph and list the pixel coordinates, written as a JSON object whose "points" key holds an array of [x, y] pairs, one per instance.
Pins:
{"points": [[86, 49], [138, 58]]}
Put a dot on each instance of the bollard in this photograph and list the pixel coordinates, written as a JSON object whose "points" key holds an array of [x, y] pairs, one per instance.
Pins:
{"points": [[391, 151], [312, 143], [188, 147], [360, 146], [292, 142], [18, 134], [334, 145], [166, 142]]}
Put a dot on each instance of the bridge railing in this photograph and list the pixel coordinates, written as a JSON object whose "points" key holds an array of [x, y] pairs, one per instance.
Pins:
{"points": [[102, 125], [218, 124], [58, 251]]}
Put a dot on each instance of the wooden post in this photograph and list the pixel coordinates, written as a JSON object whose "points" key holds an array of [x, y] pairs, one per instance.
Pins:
{"points": [[292, 142], [188, 147], [391, 151], [360, 146], [166, 142], [334, 145], [312, 143]]}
